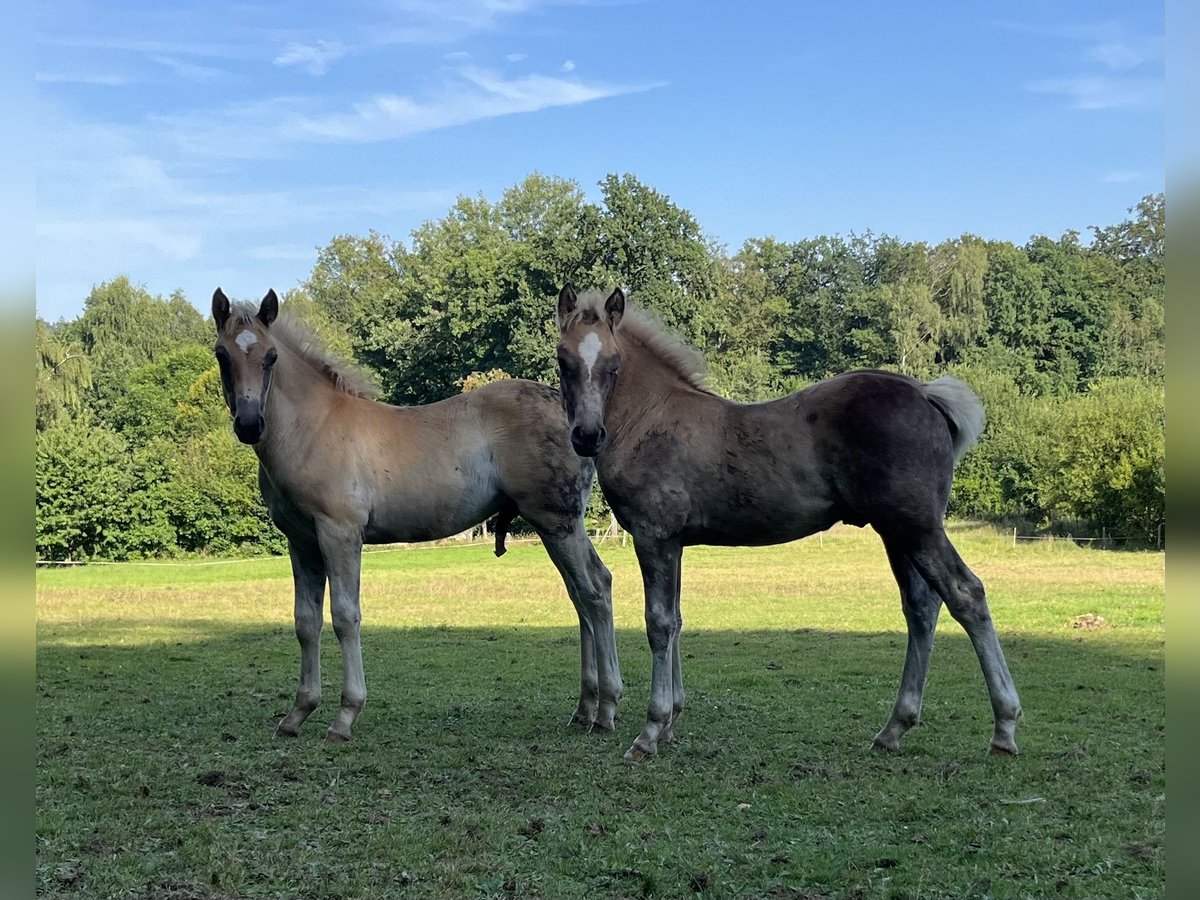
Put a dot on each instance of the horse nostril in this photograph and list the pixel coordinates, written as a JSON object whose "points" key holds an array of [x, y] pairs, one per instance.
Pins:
{"points": [[603, 434], [576, 435]]}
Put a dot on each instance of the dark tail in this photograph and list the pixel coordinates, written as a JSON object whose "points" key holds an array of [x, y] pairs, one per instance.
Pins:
{"points": [[962, 409]]}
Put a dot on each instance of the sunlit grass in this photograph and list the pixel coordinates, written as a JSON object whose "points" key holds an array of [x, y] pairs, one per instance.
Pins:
{"points": [[158, 688]]}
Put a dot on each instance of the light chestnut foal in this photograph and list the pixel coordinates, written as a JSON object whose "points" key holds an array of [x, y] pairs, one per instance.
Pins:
{"points": [[339, 469]]}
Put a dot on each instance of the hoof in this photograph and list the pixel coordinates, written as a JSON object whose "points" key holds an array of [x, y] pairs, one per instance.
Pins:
{"points": [[995, 749], [335, 737], [638, 752], [289, 732], [603, 726], [581, 721], [885, 746]]}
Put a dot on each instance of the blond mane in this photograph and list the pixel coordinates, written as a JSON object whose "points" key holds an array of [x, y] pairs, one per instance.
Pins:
{"points": [[648, 330], [299, 338]]}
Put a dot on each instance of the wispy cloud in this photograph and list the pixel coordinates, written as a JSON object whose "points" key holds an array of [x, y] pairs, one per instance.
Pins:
{"points": [[473, 95], [115, 198], [515, 57], [313, 58], [1103, 92], [285, 252], [188, 70], [568, 66], [94, 78], [1125, 176], [1115, 55], [1113, 70]]}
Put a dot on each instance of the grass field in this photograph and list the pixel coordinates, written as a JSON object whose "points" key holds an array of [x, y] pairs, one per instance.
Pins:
{"points": [[158, 689]]}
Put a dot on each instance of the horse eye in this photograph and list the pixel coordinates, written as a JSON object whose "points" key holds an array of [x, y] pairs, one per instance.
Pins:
{"points": [[221, 352], [269, 359]]}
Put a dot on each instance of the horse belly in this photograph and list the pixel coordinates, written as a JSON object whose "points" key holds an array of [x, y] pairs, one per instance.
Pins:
{"points": [[757, 528], [754, 520], [428, 506]]}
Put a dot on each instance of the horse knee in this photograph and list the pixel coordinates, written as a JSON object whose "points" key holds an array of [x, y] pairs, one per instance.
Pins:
{"points": [[346, 622], [603, 580], [660, 624], [971, 610]]}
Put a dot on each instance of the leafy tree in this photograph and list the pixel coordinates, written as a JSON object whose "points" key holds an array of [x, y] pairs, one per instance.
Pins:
{"points": [[215, 502], [1135, 253], [1107, 462], [1019, 313], [355, 285], [124, 327], [94, 499], [203, 409], [833, 317], [658, 251], [63, 375], [156, 392], [1063, 341], [914, 326], [479, 379], [1079, 310], [958, 269]]}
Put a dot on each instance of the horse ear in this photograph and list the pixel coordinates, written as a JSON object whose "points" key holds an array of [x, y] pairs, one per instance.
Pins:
{"points": [[566, 302], [615, 307], [269, 308], [220, 308]]}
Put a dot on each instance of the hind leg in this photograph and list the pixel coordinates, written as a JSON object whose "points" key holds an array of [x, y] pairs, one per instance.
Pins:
{"points": [[937, 560], [921, 607], [589, 586]]}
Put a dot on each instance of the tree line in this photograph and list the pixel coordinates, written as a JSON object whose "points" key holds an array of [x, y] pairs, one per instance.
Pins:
{"points": [[1063, 339]]}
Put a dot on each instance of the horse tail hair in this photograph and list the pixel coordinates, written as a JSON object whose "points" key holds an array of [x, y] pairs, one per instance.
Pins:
{"points": [[962, 410], [504, 517]]}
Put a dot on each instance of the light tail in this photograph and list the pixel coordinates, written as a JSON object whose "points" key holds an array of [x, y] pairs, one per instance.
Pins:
{"points": [[962, 409]]}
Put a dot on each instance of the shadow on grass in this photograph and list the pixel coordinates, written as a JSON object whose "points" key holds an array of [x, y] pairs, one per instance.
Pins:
{"points": [[834, 684], [157, 772]]}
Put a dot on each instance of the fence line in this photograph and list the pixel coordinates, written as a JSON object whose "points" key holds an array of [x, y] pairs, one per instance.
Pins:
{"points": [[1105, 538], [367, 551], [600, 535]]}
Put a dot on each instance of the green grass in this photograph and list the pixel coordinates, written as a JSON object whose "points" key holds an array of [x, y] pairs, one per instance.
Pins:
{"points": [[159, 687]]}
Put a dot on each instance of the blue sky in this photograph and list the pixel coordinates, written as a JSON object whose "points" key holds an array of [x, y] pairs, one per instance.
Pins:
{"points": [[191, 144]]}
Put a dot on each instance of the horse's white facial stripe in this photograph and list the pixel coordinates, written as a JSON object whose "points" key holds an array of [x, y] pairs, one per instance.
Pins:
{"points": [[589, 350], [246, 340]]}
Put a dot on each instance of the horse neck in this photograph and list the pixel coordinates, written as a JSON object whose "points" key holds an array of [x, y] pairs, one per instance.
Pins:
{"points": [[645, 383], [299, 398]]}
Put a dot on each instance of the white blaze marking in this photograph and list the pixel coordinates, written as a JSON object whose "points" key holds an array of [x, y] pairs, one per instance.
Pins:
{"points": [[589, 349], [246, 340]]}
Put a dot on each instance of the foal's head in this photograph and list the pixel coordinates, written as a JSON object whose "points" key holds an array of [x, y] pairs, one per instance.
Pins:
{"points": [[588, 363], [246, 354]]}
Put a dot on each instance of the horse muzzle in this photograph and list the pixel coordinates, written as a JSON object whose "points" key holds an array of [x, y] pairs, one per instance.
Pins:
{"points": [[588, 441], [249, 426]]}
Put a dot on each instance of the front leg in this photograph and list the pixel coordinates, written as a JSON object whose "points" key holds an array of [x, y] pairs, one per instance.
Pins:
{"points": [[589, 585], [308, 574], [660, 563], [677, 695], [342, 549]]}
